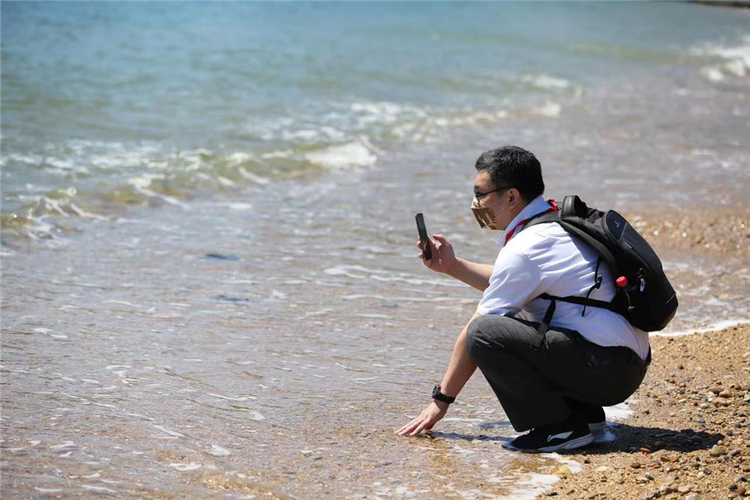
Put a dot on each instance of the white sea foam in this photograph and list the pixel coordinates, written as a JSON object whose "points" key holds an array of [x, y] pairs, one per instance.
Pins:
{"points": [[84, 214], [231, 398], [168, 431], [30, 159], [63, 446], [721, 325], [253, 177], [546, 81], [550, 109], [531, 485], [240, 157], [90, 488], [186, 467], [383, 112], [218, 451], [122, 302], [239, 206], [736, 59], [225, 182], [374, 316], [352, 154], [142, 182]]}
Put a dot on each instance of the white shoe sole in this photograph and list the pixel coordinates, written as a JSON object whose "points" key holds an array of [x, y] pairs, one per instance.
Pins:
{"points": [[569, 445], [599, 426]]}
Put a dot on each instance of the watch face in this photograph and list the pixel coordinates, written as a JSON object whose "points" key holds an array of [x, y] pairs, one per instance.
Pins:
{"points": [[435, 391]]}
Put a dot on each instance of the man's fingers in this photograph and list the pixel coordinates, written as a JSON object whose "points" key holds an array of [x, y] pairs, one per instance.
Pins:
{"points": [[419, 428], [406, 431], [403, 430], [440, 238], [404, 427]]}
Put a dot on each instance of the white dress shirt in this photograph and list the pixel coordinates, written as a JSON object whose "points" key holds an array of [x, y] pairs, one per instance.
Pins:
{"points": [[545, 259]]}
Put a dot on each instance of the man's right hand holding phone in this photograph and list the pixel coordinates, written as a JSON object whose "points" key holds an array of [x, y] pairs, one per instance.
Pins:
{"points": [[443, 257]]}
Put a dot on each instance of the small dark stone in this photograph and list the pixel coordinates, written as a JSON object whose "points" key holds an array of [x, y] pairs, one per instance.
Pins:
{"points": [[219, 256], [231, 299]]}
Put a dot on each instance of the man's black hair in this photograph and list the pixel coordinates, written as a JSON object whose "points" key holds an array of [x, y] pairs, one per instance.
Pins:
{"points": [[513, 167]]}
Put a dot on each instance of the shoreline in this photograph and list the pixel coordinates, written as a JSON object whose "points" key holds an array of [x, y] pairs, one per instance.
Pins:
{"points": [[689, 434]]}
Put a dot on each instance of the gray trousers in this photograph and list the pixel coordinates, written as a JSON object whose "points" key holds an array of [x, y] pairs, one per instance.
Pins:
{"points": [[545, 381]]}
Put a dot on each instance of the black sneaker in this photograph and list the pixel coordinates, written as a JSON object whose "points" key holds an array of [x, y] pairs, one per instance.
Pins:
{"points": [[568, 435], [594, 416]]}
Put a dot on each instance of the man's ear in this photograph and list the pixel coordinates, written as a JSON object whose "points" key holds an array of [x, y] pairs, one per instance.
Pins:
{"points": [[514, 196]]}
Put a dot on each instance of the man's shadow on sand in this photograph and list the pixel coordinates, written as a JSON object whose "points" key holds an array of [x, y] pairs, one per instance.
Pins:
{"points": [[616, 437]]}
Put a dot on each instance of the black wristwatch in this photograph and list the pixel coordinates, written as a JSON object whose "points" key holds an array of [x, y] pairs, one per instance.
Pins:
{"points": [[436, 394]]}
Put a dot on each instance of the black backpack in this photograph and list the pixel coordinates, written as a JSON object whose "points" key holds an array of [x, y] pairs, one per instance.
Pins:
{"points": [[643, 295]]}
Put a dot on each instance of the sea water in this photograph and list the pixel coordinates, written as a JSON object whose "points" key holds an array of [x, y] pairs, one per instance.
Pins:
{"points": [[210, 286]]}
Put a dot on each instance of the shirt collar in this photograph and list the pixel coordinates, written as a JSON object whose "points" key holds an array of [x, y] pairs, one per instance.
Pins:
{"points": [[535, 206]]}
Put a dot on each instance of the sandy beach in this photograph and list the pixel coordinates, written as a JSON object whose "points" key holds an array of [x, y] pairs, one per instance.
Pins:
{"points": [[689, 436]]}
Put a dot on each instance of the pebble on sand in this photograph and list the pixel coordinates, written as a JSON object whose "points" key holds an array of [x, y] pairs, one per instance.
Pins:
{"points": [[716, 451]]}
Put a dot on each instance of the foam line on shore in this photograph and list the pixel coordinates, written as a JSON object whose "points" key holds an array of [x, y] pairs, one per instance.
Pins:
{"points": [[721, 325]]}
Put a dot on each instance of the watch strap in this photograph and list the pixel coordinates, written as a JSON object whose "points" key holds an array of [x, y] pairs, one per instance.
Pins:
{"points": [[436, 394]]}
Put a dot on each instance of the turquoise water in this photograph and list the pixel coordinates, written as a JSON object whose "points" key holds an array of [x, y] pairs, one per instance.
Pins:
{"points": [[109, 105]]}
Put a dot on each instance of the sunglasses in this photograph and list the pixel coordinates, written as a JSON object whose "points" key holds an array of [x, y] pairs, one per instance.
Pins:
{"points": [[479, 195]]}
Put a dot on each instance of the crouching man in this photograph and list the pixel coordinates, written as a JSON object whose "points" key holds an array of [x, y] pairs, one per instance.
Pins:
{"points": [[554, 383]]}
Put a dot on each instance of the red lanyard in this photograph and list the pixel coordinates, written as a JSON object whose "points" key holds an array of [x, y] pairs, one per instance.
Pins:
{"points": [[509, 235]]}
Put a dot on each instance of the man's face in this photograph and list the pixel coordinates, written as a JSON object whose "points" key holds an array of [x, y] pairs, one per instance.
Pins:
{"points": [[496, 198]]}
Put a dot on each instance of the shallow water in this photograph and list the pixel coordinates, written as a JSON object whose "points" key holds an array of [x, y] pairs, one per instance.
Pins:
{"points": [[269, 342], [269, 334], [284, 366]]}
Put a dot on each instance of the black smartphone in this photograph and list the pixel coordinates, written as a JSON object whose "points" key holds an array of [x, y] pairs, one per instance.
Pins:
{"points": [[424, 241]]}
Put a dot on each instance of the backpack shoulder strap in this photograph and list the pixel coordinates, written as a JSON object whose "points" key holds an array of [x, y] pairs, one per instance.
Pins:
{"points": [[597, 245], [565, 218], [541, 218]]}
